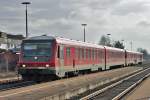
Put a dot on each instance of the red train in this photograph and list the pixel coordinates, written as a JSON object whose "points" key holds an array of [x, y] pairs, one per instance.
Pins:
{"points": [[46, 56]]}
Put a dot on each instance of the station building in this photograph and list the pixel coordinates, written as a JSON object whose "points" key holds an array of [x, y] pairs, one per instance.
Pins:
{"points": [[10, 41]]}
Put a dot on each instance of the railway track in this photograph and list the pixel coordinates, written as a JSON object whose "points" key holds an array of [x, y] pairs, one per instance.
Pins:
{"points": [[21, 83], [62, 88], [15, 84], [119, 89]]}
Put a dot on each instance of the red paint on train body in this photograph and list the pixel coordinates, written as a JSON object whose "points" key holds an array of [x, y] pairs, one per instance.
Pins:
{"points": [[54, 55]]}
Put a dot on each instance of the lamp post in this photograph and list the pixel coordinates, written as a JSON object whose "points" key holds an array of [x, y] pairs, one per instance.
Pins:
{"points": [[123, 43], [84, 25], [109, 39], [26, 3], [108, 34], [131, 45]]}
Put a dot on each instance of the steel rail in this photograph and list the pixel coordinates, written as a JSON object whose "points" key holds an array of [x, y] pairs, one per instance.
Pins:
{"points": [[115, 84], [16, 84], [119, 96]]}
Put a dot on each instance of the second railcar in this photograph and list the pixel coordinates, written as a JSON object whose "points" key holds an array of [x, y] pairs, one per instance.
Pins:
{"points": [[133, 58], [114, 57]]}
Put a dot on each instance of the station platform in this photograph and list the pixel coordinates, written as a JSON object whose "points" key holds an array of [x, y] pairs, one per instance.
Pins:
{"points": [[9, 77], [142, 92], [65, 88]]}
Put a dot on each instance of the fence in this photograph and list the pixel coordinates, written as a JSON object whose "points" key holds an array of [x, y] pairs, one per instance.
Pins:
{"points": [[8, 61]]}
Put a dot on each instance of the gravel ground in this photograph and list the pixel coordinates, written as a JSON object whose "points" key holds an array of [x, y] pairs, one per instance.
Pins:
{"points": [[142, 92]]}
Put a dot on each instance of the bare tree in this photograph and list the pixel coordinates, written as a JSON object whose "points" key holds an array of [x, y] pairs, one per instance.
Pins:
{"points": [[105, 41], [118, 44], [144, 51]]}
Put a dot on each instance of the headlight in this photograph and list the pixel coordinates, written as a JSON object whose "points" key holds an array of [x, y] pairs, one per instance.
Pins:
{"points": [[23, 65], [47, 65]]}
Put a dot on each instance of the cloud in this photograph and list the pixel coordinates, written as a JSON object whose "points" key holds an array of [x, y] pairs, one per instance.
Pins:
{"points": [[131, 7], [123, 19], [144, 23]]}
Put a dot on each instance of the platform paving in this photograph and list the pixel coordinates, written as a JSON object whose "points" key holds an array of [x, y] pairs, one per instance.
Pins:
{"points": [[63, 89]]}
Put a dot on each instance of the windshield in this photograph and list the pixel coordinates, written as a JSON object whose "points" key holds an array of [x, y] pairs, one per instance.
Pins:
{"points": [[37, 49]]}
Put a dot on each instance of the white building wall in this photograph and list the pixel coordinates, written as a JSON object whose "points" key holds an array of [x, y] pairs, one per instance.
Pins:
{"points": [[3, 46]]}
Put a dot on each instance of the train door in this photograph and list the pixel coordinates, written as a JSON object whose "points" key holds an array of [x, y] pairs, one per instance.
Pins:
{"points": [[105, 55], [102, 57], [61, 60], [125, 58], [72, 58], [62, 55]]}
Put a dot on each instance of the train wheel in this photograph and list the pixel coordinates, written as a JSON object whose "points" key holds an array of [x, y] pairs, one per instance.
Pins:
{"points": [[76, 73]]}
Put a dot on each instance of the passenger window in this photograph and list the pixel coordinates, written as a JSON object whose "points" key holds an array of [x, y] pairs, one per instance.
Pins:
{"points": [[99, 54], [68, 52], [80, 53], [84, 54], [87, 57], [89, 54], [76, 53], [93, 54]]}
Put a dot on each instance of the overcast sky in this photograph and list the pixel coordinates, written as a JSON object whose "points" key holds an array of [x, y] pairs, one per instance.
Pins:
{"points": [[123, 19]]}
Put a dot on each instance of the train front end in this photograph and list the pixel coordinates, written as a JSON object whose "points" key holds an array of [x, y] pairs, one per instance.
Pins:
{"points": [[37, 58]]}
